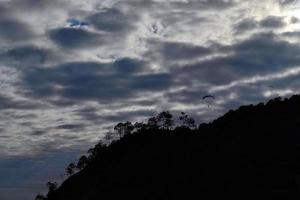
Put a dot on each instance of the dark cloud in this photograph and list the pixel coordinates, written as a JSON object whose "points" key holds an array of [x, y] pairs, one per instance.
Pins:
{"points": [[10, 103], [128, 66], [287, 2], [192, 96], [272, 22], [71, 126], [205, 5], [130, 115], [71, 38], [186, 51], [291, 34], [250, 24], [263, 53], [112, 20], [246, 25], [38, 132], [90, 114], [83, 81], [294, 20], [260, 54], [114, 87], [14, 30], [36, 5], [150, 82], [25, 55], [213, 71]]}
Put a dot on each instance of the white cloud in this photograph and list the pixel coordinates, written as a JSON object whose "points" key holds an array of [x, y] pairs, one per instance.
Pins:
{"points": [[146, 26]]}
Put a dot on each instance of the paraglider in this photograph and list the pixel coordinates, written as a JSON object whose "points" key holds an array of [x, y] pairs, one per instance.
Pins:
{"points": [[270, 91], [208, 99], [271, 87]]}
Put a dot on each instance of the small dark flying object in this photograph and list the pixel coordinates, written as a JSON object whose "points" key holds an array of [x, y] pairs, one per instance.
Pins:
{"points": [[155, 29]]}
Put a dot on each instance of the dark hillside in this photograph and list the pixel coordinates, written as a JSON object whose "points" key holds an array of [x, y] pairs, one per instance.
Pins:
{"points": [[253, 149]]}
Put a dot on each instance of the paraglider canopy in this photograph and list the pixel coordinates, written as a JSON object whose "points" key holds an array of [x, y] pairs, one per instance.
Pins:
{"points": [[208, 99], [208, 96]]}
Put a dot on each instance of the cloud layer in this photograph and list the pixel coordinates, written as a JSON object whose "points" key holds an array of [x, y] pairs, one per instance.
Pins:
{"points": [[123, 58], [72, 69]]}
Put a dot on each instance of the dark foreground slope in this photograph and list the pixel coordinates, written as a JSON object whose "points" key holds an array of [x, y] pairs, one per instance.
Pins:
{"points": [[253, 149]]}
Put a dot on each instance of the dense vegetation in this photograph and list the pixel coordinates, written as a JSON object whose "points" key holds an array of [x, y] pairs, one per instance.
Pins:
{"points": [[253, 149]]}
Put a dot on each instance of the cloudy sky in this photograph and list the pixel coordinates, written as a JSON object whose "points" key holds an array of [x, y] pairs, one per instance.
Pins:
{"points": [[71, 69]]}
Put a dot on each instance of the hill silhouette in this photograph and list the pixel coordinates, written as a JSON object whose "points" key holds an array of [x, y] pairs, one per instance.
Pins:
{"points": [[254, 149]]}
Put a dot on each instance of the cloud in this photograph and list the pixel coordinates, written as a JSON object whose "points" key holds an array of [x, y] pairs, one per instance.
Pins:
{"points": [[245, 25], [272, 22], [25, 55], [128, 66], [14, 30], [134, 56], [291, 34], [259, 59], [182, 51], [263, 53], [294, 20], [112, 20], [251, 24], [286, 2], [71, 38], [37, 4], [91, 115], [205, 5], [94, 81], [71, 127], [9, 103]]}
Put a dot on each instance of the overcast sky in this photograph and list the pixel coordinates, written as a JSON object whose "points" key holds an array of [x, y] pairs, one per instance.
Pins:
{"points": [[71, 69]]}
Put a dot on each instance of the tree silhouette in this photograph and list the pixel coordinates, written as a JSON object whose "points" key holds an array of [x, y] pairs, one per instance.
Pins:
{"points": [[139, 126], [40, 197], [110, 137], [254, 148], [124, 128], [82, 162], [52, 186], [165, 120], [187, 121], [152, 123], [71, 169]]}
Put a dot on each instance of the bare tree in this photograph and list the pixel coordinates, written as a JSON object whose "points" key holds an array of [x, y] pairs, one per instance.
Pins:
{"points": [[187, 121]]}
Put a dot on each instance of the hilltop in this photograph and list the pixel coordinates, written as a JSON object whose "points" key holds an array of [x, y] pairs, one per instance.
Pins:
{"points": [[255, 148]]}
